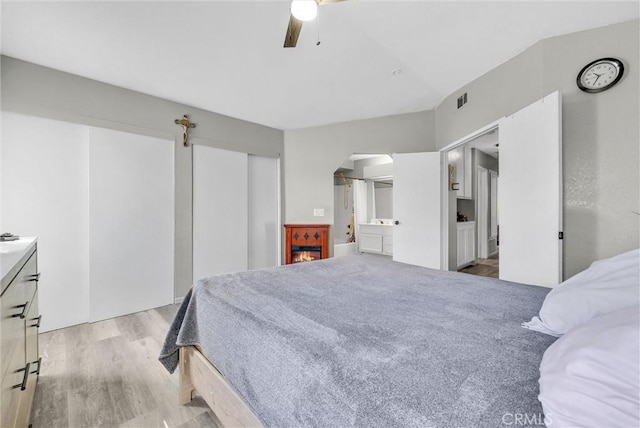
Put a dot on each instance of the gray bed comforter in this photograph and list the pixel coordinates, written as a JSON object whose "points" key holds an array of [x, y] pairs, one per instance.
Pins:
{"points": [[365, 341]]}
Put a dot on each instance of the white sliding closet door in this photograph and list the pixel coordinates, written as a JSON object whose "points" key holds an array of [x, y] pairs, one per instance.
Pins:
{"points": [[264, 206], [220, 206], [131, 212], [45, 176]]}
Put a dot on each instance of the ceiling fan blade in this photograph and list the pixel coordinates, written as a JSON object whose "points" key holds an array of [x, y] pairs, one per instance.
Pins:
{"points": [[293, 31]]}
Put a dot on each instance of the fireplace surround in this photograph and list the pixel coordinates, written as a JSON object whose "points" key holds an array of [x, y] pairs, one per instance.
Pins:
{"points": [[306, 242]]}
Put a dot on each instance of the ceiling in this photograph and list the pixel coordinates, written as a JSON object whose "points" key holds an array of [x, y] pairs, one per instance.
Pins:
{"points": [[486, 143], [227, 57]]}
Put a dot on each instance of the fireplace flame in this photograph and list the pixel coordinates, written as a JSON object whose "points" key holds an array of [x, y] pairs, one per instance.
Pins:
{"points": [[303, 256]]}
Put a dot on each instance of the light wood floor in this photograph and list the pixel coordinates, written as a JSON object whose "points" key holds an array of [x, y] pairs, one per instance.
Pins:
{"points": [[107, 374]]}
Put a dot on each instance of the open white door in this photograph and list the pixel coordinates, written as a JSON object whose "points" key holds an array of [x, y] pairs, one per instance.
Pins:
{"points": [[416, 209], [530, 202]]}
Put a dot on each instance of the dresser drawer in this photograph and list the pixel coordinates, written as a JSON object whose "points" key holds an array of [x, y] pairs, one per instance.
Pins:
{"points": [[32, 322], [10, 389], [28, 277], [25, 401], [12, 305]]}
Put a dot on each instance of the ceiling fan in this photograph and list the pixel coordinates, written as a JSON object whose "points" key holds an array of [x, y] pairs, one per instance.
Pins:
{"points": [[301, 11]]}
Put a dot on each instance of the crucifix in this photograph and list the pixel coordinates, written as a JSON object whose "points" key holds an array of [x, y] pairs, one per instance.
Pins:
{"points": [[184, 122]]}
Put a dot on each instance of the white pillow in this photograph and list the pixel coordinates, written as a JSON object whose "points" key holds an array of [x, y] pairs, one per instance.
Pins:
{"points": [[590, 377], [605, 286]]}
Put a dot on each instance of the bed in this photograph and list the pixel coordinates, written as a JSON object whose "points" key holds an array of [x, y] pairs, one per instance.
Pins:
{"points": [[359, 341]]}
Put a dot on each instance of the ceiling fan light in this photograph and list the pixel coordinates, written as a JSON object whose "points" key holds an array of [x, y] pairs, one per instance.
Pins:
{"points": [[304, 10]]}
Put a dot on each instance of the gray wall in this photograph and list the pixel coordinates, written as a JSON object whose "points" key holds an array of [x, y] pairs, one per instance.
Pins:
{"points": [[600, 133], [312, 155], [359, 165], [39, 91]]}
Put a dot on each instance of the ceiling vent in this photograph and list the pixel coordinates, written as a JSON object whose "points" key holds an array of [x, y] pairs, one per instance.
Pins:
{"points": [[462, 100]]}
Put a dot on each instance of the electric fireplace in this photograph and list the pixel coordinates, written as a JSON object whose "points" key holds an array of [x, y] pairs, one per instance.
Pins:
{"points": [[306, 242], [305, 253]]}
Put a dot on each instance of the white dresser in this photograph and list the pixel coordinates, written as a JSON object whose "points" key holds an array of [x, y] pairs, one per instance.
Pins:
{"points": [[19, 323]]}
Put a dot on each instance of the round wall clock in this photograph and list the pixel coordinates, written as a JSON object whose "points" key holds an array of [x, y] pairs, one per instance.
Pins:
{"points": [[600, 75]]}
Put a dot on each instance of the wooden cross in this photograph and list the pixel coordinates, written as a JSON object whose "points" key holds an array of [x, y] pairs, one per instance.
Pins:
{"points": [[184, 122]]}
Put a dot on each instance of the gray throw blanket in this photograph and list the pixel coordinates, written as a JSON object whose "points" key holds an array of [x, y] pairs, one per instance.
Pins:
{"points": [[365, 341]]}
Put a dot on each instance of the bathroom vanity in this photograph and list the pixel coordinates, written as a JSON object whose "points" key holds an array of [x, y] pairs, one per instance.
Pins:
{"points": [[376, 238]]}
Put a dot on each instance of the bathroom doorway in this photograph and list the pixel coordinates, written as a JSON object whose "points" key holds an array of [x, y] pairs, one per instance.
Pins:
{"points": [[363, 187]]}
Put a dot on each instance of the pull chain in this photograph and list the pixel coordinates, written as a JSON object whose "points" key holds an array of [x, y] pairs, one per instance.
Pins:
{"points": [[318, 42]]}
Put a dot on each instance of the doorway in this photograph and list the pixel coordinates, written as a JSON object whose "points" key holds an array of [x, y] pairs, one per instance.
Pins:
{"points": [[474, 176], [363, 189], [530, 202]]}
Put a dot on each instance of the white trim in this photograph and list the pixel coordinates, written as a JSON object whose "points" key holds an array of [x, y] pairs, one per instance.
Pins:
{"points": [[493, 204], [482, 211], [480, 132], [444, 209], [279, 214], [178, 300]]}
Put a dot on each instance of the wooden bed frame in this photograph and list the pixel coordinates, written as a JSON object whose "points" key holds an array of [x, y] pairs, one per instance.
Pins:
{"points": [[197, 373]]}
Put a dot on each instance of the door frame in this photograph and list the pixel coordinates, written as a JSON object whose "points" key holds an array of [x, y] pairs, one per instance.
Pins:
{"points": [[444, 170], [482, 213]]}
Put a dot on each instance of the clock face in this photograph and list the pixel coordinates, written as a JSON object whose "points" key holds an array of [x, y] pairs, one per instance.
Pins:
{"points": [[600, 75]]}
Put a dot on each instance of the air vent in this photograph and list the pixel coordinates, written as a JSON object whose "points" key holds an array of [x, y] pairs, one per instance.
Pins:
{"points": [[462, 100]]}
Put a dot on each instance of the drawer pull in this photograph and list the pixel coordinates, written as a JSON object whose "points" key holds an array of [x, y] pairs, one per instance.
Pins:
{"points": [[37, 324], [39, 363], [35, 277], [24, 311], [25, 378]]}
